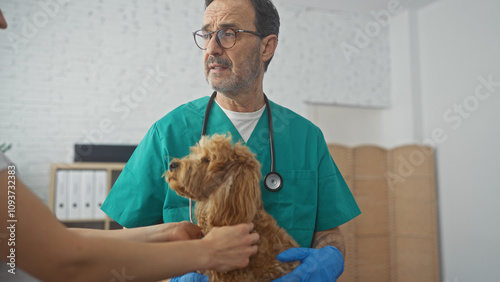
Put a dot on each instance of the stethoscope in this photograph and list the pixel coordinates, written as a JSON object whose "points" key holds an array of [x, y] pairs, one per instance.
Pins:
{"points": [[273, 181]]}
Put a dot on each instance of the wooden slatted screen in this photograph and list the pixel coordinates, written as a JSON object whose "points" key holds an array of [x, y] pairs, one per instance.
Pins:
{"points": [[395, 239]]}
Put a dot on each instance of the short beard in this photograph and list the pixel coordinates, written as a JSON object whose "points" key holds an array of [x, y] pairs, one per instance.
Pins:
{"points": [[234, 84]]}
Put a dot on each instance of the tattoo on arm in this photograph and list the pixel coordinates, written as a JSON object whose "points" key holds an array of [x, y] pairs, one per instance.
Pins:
{"points": [[330, 237]]}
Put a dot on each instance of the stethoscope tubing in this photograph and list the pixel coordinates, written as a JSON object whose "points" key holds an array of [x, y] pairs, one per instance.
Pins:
{"points": [[272, 175]]}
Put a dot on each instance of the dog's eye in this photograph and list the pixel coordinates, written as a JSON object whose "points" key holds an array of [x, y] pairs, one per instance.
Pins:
{"points": [[205, 159]]}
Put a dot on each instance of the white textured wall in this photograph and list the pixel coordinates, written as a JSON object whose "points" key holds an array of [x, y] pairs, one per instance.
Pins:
{"points": [[386, 127], [331, 57], [91, 72], [459, 49]]}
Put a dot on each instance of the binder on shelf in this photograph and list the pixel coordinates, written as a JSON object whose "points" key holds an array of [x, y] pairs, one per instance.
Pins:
{"points": [[87, 193], [61, 195], [78, 190], [101, 191], [74, 195]]}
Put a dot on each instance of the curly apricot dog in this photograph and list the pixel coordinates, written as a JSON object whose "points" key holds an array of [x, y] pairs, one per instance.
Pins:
{"points": [[224, 181]]}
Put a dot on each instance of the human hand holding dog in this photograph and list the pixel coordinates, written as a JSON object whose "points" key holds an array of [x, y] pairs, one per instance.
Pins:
{"points": [[230, 247], [325, 264]]}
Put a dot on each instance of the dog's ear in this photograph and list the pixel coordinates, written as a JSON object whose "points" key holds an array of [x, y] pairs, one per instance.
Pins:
{"points": [[237, 199], [235, 174], [246, 158], [222, 155]]}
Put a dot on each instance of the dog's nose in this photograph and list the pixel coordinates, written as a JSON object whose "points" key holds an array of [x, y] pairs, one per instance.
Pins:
{"points": [[173, 165]]}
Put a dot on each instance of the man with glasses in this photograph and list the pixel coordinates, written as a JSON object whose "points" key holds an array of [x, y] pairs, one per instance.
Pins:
{"points": [[238, 39]]}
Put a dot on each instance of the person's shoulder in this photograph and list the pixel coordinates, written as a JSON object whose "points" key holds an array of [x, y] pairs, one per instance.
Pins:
{"points": [[193, 108], [289, 117]]}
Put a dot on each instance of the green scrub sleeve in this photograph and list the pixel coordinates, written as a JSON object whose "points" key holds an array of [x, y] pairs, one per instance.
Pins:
{"points": [[137, 196], [336, 204]]}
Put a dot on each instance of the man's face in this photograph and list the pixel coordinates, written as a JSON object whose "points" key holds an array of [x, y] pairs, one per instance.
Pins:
{"points": [[231, 70]]}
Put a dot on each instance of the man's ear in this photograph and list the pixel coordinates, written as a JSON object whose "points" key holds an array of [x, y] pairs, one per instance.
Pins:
{"points": [[268, 46], [3, 22]]}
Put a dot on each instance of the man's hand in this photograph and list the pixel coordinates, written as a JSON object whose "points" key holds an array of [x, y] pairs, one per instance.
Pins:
{"points": [[325, 264], [190, 277]]}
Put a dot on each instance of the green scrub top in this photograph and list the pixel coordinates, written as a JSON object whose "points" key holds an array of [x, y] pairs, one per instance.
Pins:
{"points": [[314, 196]]}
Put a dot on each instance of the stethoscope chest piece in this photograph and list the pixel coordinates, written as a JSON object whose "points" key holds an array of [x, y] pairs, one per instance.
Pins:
{"points": [[273, 182]]}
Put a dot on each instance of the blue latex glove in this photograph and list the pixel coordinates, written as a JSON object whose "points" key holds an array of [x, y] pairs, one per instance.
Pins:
{"points": [[190, 277], [325, 264]]}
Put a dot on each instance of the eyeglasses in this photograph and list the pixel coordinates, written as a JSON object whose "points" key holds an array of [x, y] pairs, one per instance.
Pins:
{"points": [[226, 38]]}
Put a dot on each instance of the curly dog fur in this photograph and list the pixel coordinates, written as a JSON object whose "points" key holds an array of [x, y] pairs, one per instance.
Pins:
{"points": [[224, 181]]}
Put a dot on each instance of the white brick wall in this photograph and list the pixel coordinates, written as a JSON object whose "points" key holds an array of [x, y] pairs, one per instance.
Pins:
{"points": [[98, 71], [102, 71]]}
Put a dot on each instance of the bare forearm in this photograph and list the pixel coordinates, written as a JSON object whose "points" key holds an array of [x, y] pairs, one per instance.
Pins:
{"points": [[222, 249], [51, 252], [103, 260], [133, 234], [68, 256], [164, 232], [330, 237]]}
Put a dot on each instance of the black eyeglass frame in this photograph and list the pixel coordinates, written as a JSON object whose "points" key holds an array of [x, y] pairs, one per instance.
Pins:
{"points": [[217, 36]]}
